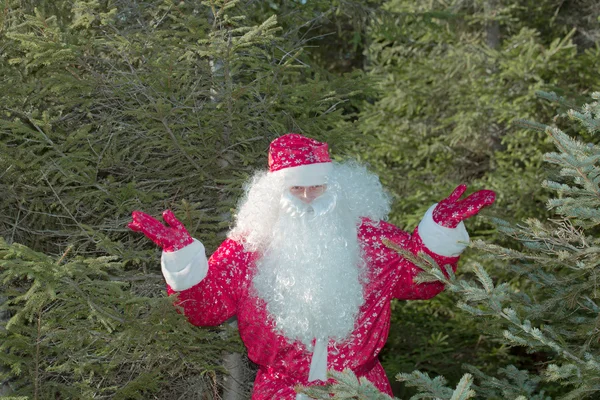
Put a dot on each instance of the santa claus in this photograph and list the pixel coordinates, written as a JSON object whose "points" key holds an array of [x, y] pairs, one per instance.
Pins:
{"points": [[305, 270]]}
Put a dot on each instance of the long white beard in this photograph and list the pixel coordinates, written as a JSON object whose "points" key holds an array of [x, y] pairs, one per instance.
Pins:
{"points": [[310, 275]]}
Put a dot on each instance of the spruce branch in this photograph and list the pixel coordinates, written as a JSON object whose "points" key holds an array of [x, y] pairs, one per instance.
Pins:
{"points": [[176, 143], [347, 386], [34, 123], [436, 388], [83, 229]]}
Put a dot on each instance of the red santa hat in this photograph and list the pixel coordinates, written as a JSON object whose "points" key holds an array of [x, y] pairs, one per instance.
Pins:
{"points": [[300, 160]]}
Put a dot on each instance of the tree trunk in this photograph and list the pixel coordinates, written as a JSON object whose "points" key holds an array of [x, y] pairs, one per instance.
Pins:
{"points": [[235, 382], [4, 316], [492, 27]]}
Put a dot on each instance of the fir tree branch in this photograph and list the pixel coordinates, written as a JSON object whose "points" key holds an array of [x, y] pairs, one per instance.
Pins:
{"points": [[12, 236], [64, 255], [39, 130], [66, 208], [90, 302], [176, 143]]}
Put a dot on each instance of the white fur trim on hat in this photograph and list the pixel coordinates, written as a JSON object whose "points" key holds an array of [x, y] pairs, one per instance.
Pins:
{"points": [[449, 242], [306, 175]]}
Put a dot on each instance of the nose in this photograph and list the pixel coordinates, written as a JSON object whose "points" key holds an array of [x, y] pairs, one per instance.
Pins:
{"points": [[306, 196]]}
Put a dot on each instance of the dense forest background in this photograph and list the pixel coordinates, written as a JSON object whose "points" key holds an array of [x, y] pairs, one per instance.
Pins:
{"points": [[115, 105]]}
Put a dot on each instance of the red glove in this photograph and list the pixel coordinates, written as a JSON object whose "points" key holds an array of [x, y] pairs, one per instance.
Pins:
{"points": [[450, 211], [170, 238]]}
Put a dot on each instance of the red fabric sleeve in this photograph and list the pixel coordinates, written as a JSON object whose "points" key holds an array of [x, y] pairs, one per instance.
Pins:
{"points": [[406, 288], [214, 300]]}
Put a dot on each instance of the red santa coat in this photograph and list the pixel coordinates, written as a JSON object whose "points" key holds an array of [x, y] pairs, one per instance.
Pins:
{"points": [[225, 290]]}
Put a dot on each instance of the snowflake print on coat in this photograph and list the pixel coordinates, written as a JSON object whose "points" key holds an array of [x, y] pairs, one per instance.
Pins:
{"points": [[226, 291]]}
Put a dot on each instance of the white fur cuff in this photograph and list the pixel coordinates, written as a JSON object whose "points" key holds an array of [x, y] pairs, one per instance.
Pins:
{"points": [[186, 267], [449, 242]]}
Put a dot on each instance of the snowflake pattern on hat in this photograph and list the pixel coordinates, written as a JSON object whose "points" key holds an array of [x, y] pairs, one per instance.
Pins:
{"points": [[294, 150]]}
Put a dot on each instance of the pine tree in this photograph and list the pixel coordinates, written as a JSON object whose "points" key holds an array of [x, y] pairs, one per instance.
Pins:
{"points": [[453, 78], [147, 105], [557, 311], [78, 331], [114, 106]]}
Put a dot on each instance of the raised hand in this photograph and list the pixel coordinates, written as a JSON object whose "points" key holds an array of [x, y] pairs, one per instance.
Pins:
{"points": [[450, 211], [170, 238]]}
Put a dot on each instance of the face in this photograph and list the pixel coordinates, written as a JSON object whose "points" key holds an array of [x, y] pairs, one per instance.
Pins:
{"points": [[308, 193]]}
